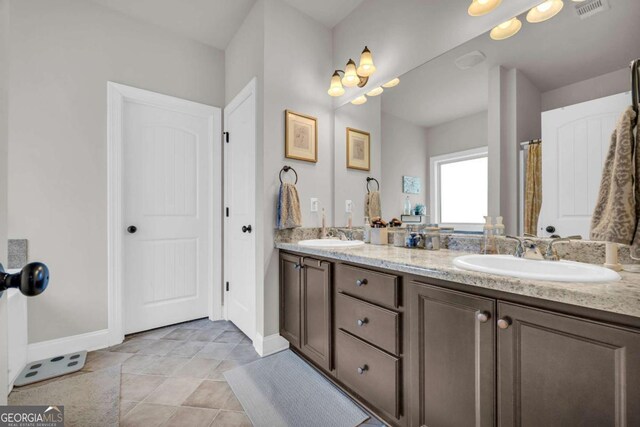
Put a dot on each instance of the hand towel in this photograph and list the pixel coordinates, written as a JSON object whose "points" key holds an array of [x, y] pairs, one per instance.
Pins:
{"points": [[615, 217], [288, 215], [372, 207]]}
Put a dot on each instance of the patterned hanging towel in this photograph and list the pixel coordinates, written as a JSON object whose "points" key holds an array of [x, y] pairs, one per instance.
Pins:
{"points": [[615, 217], [288, 215]]}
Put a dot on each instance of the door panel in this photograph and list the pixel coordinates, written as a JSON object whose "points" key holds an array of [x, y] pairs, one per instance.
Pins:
{"points": [[240, 198], [556, 370], [316, 311], [168, 258], [575, 143], [290, 288], [452, 358]]}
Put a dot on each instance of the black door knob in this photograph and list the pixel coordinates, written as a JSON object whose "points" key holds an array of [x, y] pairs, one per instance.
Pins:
{"points": [[550, 229], [32, 280], [132, 229], [246, 229]]}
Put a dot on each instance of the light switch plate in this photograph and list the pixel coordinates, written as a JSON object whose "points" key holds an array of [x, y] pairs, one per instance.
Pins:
{"points": [[348, 206], [314, 204]]}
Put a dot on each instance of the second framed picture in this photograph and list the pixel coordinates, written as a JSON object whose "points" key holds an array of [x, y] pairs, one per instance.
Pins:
{"points": [[301, 137], [358, 149]]}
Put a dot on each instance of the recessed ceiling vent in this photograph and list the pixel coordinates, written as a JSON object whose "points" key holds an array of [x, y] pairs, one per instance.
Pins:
{"points": [[587, 9], [470, 60]]}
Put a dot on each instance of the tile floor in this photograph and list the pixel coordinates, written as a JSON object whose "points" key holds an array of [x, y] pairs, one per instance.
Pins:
{"points": [[173, 376]]}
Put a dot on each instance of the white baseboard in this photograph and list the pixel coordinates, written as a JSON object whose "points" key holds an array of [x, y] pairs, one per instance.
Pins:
{"points": [[270, 344], [89, 341]]}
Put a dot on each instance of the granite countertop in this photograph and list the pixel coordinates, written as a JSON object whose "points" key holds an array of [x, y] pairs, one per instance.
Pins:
{"points": [[622, 297]]}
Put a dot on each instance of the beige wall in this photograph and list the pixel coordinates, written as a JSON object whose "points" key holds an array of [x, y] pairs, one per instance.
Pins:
{"points": [[63, 53], [404, 152], [351, 184]]}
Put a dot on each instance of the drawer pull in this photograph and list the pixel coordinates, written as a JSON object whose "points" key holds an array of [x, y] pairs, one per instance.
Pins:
{"points": [[504, 323], [363, 369], [361, 282], [297, 266], [483, 316], [362, 322]]}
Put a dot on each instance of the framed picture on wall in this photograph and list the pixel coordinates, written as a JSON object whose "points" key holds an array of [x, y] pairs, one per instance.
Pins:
{"points": [[358, 149], [301, 137]]}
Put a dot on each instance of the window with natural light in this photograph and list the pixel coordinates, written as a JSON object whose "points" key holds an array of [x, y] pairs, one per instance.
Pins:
{"points": [[460, 185]]}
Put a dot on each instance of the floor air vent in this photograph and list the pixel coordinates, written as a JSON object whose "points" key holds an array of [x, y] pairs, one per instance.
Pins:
{"points": [[592, 7]]}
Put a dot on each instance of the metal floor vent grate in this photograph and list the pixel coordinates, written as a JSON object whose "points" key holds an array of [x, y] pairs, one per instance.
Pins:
{"points": [[589, 8], [51, 368]]}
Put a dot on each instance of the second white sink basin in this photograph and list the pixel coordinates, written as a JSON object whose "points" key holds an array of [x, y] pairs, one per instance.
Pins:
{"points": [[330, 243], [556, 271]]}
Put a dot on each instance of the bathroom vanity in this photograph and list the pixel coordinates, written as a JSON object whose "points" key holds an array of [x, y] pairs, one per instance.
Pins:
{"points": [[421, 343]]}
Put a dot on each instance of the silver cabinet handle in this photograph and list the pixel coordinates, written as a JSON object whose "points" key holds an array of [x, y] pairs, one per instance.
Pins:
{"points": [[504, 323], [298, 266], [483, 316], [361, 282], [363, 369], [362, 322]]}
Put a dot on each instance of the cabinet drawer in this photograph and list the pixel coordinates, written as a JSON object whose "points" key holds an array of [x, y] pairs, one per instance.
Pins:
{"points": [[369, 372], [377, 325], [366, 284]]}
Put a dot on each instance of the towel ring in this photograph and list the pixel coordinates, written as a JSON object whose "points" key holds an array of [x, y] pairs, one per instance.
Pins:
{"points": [[369, 179], [287, 169]]}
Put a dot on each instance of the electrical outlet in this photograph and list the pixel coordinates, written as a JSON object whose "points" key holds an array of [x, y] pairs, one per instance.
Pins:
{"points": [[348, 205], [314, 204]]}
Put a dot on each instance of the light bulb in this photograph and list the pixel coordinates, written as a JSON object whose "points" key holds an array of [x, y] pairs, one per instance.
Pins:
{"points": [[506, 29], [545, 10], [359, 100], [366, 67], [350, 78], [391, 83], [482, 7], [375, 92], [336, 89]]}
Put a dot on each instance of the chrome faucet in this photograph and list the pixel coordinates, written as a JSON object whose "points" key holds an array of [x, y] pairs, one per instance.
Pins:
{"points": [[551, 254], [526, 248]]}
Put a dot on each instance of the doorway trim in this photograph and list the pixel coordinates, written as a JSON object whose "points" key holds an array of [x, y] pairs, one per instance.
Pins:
{"points": [[117, 95]]}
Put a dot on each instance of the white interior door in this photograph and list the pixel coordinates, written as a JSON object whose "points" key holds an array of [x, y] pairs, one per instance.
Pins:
{"points": [[240, 199], [575, 141], [167, 188]]}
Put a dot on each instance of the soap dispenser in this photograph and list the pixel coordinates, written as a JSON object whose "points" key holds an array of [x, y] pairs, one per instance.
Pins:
{"points": [[499, 227], [488, 241]]}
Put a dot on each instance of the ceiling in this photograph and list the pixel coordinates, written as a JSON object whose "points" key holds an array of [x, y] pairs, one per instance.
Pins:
{"points": [[552, 54], [214, 22]]}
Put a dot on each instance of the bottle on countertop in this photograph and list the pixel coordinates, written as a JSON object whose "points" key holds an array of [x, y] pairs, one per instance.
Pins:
{"points": [[488, 240], [499, 227], [367, 230]]}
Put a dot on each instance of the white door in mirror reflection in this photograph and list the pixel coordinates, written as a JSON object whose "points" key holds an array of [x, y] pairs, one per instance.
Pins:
{"points": [[575, 141]]}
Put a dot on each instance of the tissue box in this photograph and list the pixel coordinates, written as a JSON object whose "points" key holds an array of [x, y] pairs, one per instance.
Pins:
{"points": [[379, 236]]}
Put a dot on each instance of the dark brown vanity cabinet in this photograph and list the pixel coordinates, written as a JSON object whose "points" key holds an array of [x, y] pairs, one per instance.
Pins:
{"points": [[557, 370], [306, 306], [452, 353]]}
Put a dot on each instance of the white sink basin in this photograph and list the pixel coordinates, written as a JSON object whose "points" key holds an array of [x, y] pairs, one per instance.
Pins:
{"points": [[557, 271], [330, 243]]}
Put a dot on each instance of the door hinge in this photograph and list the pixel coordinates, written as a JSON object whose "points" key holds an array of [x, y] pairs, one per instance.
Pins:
{"points": [[227, 212], [227, 287], [226, 136]]}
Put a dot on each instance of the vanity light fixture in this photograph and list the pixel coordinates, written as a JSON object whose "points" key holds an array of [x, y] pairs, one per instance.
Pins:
{"points": [[352, 76], [545, 10], [359, 100], [506, 29], [391, 83], [375, 92], [482, 7]]}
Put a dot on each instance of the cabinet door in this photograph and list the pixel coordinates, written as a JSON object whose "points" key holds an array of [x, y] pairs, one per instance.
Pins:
{"points": [[290, 291], [452, 358], [557, 370], [316, 311]]}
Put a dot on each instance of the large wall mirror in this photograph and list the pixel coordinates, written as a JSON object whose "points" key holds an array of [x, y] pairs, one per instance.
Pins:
{"points": [[517, 128]]}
